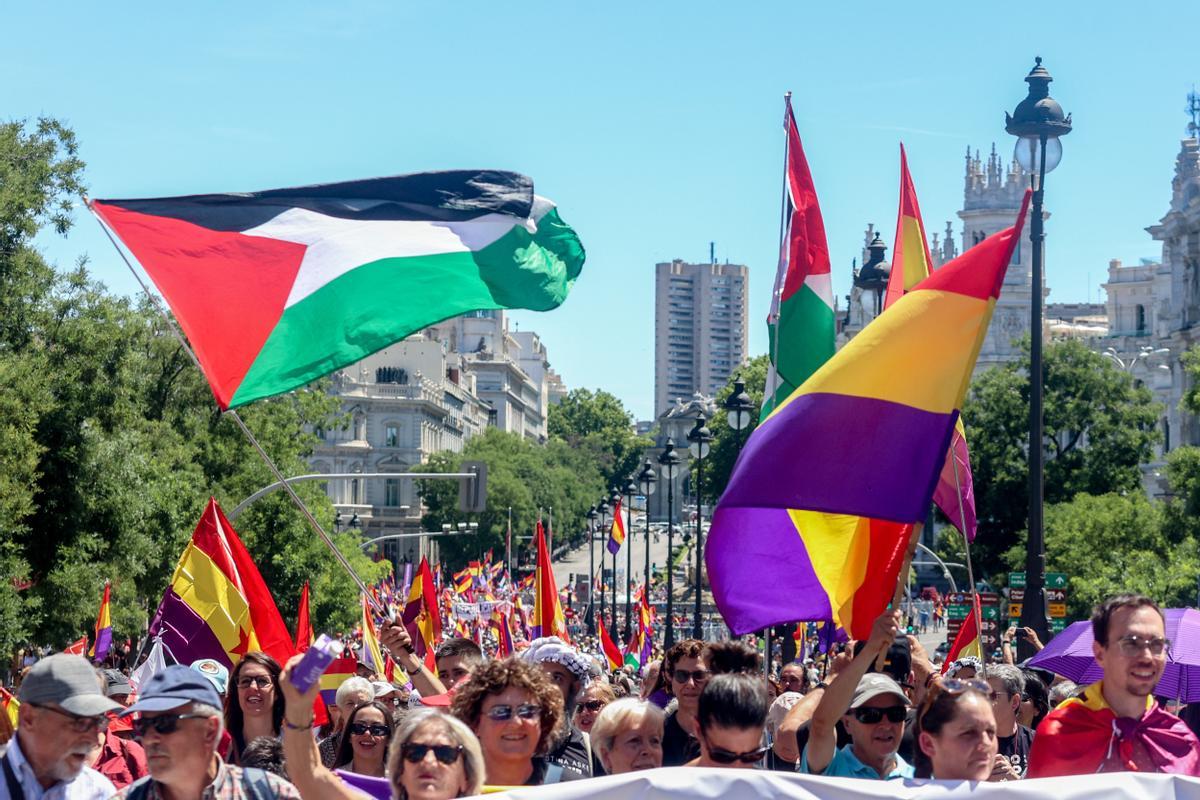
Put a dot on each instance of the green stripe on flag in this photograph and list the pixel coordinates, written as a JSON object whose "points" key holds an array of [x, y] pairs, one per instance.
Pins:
{"points": [[805, 341], [376, 304]]}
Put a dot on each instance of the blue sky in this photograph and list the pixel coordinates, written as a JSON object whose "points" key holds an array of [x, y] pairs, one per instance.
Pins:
{"points": [[654, 126]]}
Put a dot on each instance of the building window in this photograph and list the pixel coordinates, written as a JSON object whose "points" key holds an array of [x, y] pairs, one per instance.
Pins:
{"points": [[392, 435], [391, 492], [354, 491], [1140, 316]]}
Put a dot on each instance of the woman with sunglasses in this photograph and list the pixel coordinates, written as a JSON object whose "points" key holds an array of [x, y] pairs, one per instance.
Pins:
{"points": [[433, 756], [513, 709], [363, 748], [956, 731], [253, 704], [592, 701], [730, 720], [627, 736]]}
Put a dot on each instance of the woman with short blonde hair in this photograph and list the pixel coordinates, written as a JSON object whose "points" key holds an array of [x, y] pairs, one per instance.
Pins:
{"points": [[627, 736]]}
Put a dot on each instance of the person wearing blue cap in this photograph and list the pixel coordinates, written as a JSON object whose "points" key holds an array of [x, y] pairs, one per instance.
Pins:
{"points": [[179, 723]]}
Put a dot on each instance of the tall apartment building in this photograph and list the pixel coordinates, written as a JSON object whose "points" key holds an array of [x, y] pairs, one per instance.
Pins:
{"points": [[699, 328]]}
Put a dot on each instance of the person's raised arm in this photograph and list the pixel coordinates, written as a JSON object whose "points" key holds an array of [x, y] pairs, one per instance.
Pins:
{"points": [[396, 640], [305, 770], [822, 738]]}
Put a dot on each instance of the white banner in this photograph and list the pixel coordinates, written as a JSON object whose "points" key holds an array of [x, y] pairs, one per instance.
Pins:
{"points": [[693, 783]]}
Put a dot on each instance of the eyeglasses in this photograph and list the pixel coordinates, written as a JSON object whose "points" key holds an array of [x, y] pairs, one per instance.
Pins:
{"points": [[592, 705], [261, 681], [78, 724], [699, 676], [414, 752], [505, 712], [1133, 645], [361, 728], [165, 724], [723, 756], [953, 687], [873, 716]]}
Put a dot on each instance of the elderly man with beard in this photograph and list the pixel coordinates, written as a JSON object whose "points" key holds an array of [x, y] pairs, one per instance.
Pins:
{"points": [[60, 721], [179, 723], [568, 670]]}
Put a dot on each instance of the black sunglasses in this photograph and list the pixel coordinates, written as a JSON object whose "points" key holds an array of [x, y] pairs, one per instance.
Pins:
{"points": [[592, 705], [873, 716], [415, 752], [78, 723], [502, 713], [378, 729], [723, 756], [699, 676], [165, 724]]}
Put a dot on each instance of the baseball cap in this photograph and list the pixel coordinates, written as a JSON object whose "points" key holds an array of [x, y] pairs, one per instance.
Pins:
{"points": [[876, 684], [68, 681], [898, 662], [115, 683], [173, 687], [381, 688], [215, 671]]}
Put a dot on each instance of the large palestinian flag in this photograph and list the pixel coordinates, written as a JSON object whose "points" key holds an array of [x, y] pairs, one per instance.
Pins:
{"points": [[277, 288]]}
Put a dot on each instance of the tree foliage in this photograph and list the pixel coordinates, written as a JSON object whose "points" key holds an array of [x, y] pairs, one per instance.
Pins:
{"points": [[597, 423], [110, 443], [1099, 427]]}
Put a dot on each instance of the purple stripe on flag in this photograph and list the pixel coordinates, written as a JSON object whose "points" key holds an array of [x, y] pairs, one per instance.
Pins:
{"points": [[613, 545], [843, 454], [185, 635], [761, 547], [103, 643]]}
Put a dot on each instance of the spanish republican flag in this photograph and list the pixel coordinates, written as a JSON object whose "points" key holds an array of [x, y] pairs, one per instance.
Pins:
{"points": [[548, 619], [966, 643], [611, 651], [421, 614], [103, 631], [616, 536], [217, 604]]}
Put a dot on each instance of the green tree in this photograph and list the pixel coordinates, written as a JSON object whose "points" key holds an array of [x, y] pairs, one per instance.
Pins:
{"points": [[1099, 427], [597, 422], [1114, 543], [727, 442]]}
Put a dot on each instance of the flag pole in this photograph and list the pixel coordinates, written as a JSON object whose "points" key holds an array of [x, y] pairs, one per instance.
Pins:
{"points": [[975, 609], [902, 579], [316, 526]]}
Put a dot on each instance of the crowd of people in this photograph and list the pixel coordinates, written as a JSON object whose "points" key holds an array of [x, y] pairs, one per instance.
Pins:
{"points": [[879, 709]]}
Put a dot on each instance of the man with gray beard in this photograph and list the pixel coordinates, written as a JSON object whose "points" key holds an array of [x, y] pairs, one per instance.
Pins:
{"points": [[59, 727]]}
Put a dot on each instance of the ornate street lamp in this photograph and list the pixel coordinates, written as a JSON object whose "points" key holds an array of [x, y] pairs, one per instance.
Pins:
{"points": [[699, 443], [646, 480], [1037, 122], [603, 509], [592, 514], [630, 490], [872, 278], [615, 501], [668, 463], [739, 409]]}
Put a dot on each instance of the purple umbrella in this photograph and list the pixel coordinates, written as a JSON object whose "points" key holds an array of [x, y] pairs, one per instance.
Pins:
{"points": [[1070, 654]]}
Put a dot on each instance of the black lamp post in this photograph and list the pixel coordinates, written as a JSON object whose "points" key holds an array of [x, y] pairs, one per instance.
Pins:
{"points": [[647, 479], [615, 501], [699, 442], [591, 608], [1037, 122], [603, 509], [668, 462], [738, 409], [630, 490], [872, 278]]}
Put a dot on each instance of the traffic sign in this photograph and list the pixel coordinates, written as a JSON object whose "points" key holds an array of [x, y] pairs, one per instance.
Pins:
{"points": [[1058, 625], [1056, 595], [957, 612], [989, 626], [1056, 580], [990, 612], [1016, 580], [1014, 610], [1016, 595], [1057, 610]]}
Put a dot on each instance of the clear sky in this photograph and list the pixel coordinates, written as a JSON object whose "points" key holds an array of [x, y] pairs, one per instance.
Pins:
{"points": [[656, 127]]}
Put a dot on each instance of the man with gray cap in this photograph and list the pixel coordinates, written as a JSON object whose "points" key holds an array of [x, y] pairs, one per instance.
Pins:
{"points": [[569, 671], [179, 723], [872, 707], [62, 718]]}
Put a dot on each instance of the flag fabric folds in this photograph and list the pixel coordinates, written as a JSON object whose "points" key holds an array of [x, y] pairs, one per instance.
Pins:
{"points": [[966, 641], [866, 435], [611, 652], [548, 619], [102, 640], [335, 675], [911, 264], [616, 535], [78, 647], [800, 325], [9, 706], [641, 645], [304, 631], [155, 663], [371, 652], [277, 288], [217, 604], [421, 615]]}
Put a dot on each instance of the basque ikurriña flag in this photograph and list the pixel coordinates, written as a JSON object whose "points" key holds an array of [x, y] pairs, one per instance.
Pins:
{"points": [[277, 288]]}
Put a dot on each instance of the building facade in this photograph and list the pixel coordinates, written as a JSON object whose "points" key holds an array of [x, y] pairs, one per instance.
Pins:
{"points": [[700, 328]]}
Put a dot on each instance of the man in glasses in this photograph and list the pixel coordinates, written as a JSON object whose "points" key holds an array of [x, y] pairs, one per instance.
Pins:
{"points": [[872, 707], [60, 723], [1116, 725], [179, 723]]}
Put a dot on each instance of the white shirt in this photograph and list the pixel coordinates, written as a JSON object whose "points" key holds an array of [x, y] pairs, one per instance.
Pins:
{"points": [[87, 785]]}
